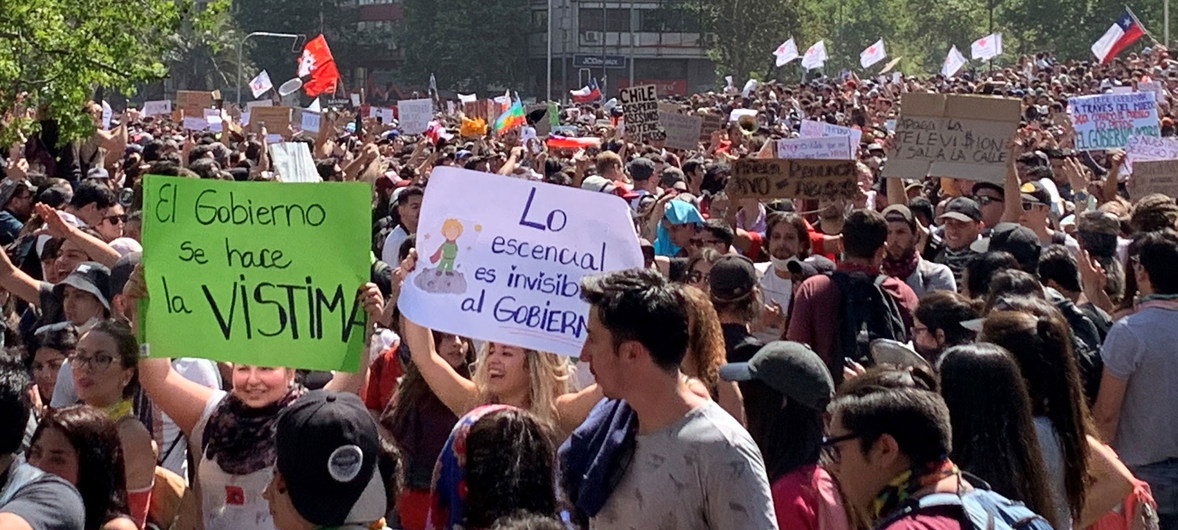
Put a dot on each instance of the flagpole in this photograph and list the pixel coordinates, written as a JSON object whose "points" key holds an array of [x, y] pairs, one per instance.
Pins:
{"points": [[241, 45]]}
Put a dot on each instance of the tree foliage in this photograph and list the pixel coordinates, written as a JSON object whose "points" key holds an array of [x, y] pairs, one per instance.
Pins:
{"points": [[202, 53], [469, 45], [59, 51]]}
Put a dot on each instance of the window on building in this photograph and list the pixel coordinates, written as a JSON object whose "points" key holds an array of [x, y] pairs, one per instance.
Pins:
{"points": [[616, 20], [540, 20], [667, 20]]}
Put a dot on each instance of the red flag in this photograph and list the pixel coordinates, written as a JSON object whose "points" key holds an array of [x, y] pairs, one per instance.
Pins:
{"points": [[318, 63]]}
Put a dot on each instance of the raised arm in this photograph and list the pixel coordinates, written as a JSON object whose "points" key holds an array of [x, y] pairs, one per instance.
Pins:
{"points": [[95, 248], [17, 282]]}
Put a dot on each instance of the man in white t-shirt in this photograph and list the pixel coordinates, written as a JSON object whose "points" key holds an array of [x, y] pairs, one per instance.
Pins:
{"points": [[787, 240], [408, 210], [694, 467]]}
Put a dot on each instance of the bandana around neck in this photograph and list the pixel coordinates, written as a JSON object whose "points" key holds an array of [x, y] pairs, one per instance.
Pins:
{"points": [[906, 484], [241, 438]]}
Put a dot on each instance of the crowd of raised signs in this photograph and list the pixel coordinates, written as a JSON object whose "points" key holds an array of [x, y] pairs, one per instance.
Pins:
{"points": [[988, 347]]}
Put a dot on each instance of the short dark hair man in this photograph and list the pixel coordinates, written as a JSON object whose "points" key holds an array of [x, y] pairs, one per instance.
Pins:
{"points": [[711, 474], [90, 202], [961, 224], [16, 199], [408, 211], [31, 499]]}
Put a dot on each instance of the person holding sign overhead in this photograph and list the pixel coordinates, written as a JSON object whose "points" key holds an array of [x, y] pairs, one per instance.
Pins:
{"points": [[235, 430]]}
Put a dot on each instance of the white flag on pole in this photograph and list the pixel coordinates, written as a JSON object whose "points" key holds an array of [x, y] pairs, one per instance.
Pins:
{"points": [[468, 98], [873, 54], [815, 56], [749, 87], [787, 52], [953, 62], [987, 47], [315, 107], [261, 84]]}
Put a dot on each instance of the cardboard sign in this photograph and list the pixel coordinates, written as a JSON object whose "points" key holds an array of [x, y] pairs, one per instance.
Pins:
{"points": [[500, 258], [773, 178], [236, 271], [293, 163], [1154, 176], [825, 148], [415, 115], [682, 131], [1106, 121], [640, 107], [819, 129], [157, 108], [953, 136], [712, 123], [193, 102], [277, 120]]}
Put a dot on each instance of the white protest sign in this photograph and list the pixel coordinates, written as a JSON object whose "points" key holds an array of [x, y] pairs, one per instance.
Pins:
{"points": [[107, 113], [1121, 90], [1152, 86], [385, 115], [1142, 148], [293, 162], [310, 121], [500, 259], [213, 117], [819, 129], [355, 99], [526, 133], [682, 130], [157, 108], [640, 107], [415, 115], [1106, 121], [822, 148], [195, 124]]}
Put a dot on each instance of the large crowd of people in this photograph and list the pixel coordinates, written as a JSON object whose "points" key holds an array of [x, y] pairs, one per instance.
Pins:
{"points": [[932, 353]]}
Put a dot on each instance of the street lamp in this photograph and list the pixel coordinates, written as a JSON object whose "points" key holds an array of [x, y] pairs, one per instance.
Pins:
{"points": [[549, 58], [295, 47]]}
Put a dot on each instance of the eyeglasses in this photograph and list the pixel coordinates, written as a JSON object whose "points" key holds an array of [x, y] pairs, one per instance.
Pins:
{"points": [[698, 277], [97, 362], [830, 448], [116, 219], [983, 200]]}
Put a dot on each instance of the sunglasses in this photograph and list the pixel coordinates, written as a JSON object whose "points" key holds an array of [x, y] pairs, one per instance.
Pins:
{"points": [[116, 219], [1029, 206], [983, 200]]}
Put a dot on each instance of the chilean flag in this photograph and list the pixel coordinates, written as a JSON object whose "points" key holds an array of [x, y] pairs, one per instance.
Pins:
{"points": [[557, 141], [589, 93], [1121, 34]]}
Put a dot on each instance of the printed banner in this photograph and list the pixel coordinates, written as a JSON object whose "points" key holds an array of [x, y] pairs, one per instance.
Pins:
{"points": [[640, 107], [1106, 121], [236, 271], [774, 178], [500, 259], [415, 115], [1154, 176], [953, 136], [824, 148]]}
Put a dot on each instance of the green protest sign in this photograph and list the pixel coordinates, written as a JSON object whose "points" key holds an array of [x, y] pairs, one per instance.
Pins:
{"points": [[255, 272]]}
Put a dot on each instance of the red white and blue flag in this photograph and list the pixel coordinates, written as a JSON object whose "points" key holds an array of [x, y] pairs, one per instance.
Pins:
{"points": [[589, 93], [1120, 35]]}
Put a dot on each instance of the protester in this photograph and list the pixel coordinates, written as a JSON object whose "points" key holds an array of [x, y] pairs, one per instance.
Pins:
{"points": [[637, 338], [29, 498], [706, 353], [937, 324], [905, 263], [81, 445], [16, 206], [53, 344], [962, 223], [732, 286]]}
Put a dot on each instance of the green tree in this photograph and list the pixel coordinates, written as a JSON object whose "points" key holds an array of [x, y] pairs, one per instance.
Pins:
{"points": [[202, 54], [745, 32], [59, 51], [470, 45]]}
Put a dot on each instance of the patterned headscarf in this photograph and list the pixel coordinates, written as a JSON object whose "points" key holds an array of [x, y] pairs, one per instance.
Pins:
{"points": [[447, 497]]}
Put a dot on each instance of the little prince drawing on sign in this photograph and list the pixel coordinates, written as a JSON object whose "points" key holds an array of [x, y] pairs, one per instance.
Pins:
{"points": [[447, 251]]}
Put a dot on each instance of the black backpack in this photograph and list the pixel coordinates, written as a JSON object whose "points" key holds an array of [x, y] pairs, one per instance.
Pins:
{"points": [[866, 312]]}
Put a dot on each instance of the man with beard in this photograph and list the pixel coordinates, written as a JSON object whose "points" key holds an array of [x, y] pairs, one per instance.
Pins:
{"points": [[938, 324], [902, 260]]}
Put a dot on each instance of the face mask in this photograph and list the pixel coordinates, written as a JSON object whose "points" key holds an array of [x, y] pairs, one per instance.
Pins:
{"points": [[782, 264]]}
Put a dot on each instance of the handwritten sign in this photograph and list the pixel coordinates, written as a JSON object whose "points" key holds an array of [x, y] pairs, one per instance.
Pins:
{"points": [[293, 162], [953, 136], [1154, 176], [193, 102], [1142, 148], [682, 131], [276, 119], [382, 114], [823, 148], [309, 121], [500, 259], [157, 108], [774, 178], [1153, 86], [236, 271], [820, 129], [415, 115], [640, 108], [259, 103], [1106, 121]]}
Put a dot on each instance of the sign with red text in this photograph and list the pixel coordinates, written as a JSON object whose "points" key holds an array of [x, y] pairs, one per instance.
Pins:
{"points": [[1107, 121], [500, 259]]}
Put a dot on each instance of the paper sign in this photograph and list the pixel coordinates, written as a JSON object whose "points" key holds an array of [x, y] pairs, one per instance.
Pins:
{"points": [[682, 131], [157, 108], [1152, 86], [1154, 176], [245, 119], [1121, 90], [825, 148], [237, 273], [310, 121], [736, 114], [355, 99], [260, 103], [213, 117], [195, 124], [1143, 148], [193, 102], [383, 114], [712, 123], [415, 115], [107, 114], [819, 129], [293, 163], [1106, 121], [640, 107], [773, 178], [500, 258], [953, 136], [277, 120]]}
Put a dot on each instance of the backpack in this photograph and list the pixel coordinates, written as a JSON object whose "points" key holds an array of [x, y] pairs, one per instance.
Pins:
{"points": [[982, 509], [866, 312]]}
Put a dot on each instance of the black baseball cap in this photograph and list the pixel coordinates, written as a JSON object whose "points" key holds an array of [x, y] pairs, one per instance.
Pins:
{"points": [[1018, 240], [790, 368], [88, 276], [328, 450], [733, 278], [640, 168], [962, 209], [1034, 192]]}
